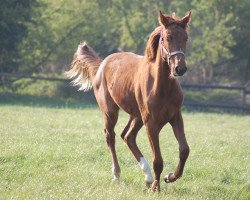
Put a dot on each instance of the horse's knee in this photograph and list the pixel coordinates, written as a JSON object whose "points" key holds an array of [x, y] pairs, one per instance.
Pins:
{"points": [[123, 135], [129, 140], [110, 137]]}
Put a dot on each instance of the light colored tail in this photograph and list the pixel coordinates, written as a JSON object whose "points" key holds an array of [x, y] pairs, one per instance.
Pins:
{"points": [[84, 66]]}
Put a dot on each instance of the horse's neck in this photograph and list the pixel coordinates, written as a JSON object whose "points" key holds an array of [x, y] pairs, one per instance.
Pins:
{"points": [[163, 81]]}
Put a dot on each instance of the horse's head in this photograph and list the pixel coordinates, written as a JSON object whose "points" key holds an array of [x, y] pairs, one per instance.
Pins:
{"points": [[173, 42]]}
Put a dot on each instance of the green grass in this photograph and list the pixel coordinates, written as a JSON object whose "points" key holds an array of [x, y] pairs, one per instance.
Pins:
{"points": [[214, 96], [60, 153]]}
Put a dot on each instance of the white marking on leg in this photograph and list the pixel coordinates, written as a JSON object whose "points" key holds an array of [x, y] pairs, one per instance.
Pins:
{"points": [[116, 175], [147, 171]]}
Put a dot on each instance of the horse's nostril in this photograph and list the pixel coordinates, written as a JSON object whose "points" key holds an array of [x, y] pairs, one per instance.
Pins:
{"points": [[178, 70]]}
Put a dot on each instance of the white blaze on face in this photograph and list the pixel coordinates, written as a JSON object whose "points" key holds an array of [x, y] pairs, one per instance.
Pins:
{"points": [[146, 168]]}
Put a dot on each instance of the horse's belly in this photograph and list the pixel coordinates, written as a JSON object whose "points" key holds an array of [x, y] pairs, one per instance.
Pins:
{"points": [[125, 99]]}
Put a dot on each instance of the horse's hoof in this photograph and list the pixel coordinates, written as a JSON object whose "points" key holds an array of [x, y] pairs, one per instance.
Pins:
{"points": [[115, 180], [155, 186], [170, 178]]}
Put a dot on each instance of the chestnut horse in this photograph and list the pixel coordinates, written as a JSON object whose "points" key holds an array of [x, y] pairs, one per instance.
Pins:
{"points": [[146, 87]]}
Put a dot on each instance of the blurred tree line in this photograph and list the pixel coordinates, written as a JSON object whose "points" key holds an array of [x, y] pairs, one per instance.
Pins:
{"points": [[42, 35]]}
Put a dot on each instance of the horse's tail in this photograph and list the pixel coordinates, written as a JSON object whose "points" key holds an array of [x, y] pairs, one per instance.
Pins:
{"points": [[84, 66]]}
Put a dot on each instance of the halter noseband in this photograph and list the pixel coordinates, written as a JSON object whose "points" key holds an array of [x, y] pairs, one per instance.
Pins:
{"points": [[169, 54]]}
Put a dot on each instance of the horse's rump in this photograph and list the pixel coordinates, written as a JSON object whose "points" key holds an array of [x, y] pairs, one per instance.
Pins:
{"points": [[118, 74]]}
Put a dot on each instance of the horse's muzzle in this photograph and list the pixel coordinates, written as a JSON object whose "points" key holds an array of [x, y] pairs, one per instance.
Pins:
{"points": [[179, 71]]}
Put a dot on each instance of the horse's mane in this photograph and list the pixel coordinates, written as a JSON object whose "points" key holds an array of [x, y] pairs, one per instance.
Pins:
{"points": [[152, 45]]}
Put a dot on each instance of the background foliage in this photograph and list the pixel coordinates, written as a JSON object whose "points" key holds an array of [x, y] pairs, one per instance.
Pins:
{"points": [[41, 35]]}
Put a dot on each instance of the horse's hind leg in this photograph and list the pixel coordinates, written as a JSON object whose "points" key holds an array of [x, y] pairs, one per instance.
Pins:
{"points": [[110, 119], [129, 136]]}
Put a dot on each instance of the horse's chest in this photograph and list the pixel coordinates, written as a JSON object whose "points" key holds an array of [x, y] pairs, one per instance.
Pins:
{"points": [[164, 108]]}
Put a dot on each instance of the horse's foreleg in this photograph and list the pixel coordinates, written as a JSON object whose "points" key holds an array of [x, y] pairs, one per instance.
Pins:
{"points": [[178, 128], [153, 135], [129, 136], [110, 121]]}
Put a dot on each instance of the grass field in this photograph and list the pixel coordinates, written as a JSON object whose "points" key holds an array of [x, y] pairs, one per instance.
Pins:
{"points": [[60, 153]]}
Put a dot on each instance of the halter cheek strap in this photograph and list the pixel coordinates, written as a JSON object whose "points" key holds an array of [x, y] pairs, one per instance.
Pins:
{"points": [[166, 51]]}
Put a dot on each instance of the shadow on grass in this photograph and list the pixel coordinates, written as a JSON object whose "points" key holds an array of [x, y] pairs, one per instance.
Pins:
{"points": [[86, 100]]}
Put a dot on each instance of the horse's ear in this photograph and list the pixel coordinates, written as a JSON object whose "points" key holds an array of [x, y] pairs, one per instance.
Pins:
{"points": [[164, 20], [161, 18], [185, 20]]}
